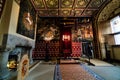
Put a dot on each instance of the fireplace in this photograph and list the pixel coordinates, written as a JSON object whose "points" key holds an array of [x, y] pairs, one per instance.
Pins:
{"points": [[12, 62], [16, 55], [18, 60]]}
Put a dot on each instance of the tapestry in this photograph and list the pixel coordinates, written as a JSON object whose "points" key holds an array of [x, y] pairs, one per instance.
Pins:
{"points": [[82, 32], [27, 19], [48, 29]]}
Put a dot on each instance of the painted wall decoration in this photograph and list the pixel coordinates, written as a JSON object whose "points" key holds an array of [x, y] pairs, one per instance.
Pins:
{"points": [[47, 30], [83, 32], [23, 69], [48, 33], [27, 19]]}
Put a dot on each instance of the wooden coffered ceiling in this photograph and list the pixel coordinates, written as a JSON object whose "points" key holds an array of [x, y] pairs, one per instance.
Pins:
{"points": [[67, 8]]}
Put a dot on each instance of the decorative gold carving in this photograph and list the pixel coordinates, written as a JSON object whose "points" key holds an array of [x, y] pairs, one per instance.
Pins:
{"points": [[52, 3], [38, 4], [53, 12], [78, 12], [65, 12], [81, 3], [67, 3], [73, 6]]}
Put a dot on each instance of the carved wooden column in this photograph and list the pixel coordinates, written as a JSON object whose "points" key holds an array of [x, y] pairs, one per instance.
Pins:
{"points": [[4, 72]]}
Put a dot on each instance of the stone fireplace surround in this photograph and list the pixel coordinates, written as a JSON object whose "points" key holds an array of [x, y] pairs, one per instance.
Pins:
{"points": [[14, 45]]}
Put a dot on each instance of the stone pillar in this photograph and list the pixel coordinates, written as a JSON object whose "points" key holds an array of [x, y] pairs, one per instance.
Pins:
{"points": [[30, 56], [4, 72]]}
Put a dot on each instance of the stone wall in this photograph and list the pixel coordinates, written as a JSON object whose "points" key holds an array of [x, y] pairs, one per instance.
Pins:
{"points": [[13, 40]]}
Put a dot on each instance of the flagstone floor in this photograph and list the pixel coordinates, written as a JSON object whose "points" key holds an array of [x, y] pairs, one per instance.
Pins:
{"points": [[46, 71], [43, 71]]}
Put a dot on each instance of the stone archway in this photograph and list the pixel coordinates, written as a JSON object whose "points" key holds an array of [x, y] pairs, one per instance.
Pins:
{"points": [[107, 12]]}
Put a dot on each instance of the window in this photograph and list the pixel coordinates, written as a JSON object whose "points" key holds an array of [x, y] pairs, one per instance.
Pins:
{"points": [[115, 27], [115, 24]]}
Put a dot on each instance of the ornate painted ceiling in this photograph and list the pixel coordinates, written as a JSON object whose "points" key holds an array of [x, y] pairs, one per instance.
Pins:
{"points": [[67, 8]]}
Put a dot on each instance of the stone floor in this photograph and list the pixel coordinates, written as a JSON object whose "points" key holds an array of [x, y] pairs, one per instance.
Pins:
{"points": [[97, 62], [106, 72], [45, 70]]}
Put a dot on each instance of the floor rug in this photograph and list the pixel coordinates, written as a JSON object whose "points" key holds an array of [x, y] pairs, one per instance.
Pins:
{"points": [[68, 61], [72, 72]]}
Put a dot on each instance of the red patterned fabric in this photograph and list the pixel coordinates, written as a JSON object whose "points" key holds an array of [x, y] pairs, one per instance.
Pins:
{"points": [[40, 50], [76, 49]]}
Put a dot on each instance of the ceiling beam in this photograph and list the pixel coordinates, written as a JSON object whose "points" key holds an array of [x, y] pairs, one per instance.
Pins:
{"points": [[59, 6], [68, 9], [73, 8], [86, 6], [45, 4]]}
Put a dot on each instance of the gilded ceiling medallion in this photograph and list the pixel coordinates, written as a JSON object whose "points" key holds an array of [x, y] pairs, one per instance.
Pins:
{"points": [[67, 3], [53, 12], [52, 3], [65, 12], [78, 12], [39, 3], [81, 3]]}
